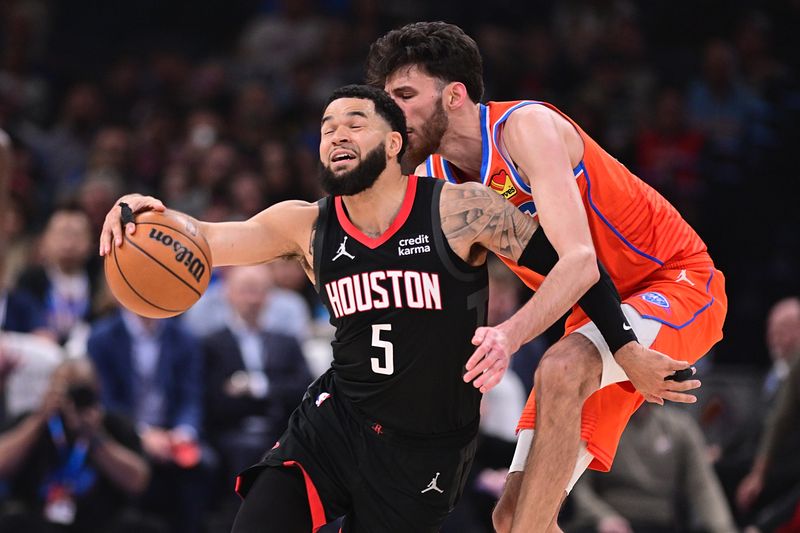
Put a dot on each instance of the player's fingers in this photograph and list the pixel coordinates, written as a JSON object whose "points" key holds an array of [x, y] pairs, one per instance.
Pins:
{"points": [[678, 397], [480, 334], [478, 355], [491, 382], [491, 377], [680, 386], [681, 375], [677, 365], [479, 370], [116, 232], [480, 364], [155, 204], [106, 238], [653, 399]]}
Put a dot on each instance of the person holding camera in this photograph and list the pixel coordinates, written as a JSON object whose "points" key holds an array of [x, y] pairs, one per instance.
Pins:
{"points": [[70, 466]]}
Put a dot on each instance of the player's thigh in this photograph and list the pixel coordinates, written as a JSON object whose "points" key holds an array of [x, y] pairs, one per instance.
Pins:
{"points": [[408, 487], [277, 502]]}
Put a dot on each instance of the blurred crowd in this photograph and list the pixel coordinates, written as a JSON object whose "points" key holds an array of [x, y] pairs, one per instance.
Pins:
{"points": [[111, 422]]}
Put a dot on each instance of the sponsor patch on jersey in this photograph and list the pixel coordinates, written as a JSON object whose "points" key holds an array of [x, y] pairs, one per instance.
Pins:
{"points": [[656, 298], [414, 245], [502, 185]]}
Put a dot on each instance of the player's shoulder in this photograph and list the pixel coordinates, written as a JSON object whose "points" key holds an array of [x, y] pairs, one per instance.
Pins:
{"points": [[537, 114], [454, 192], [294, 210]]}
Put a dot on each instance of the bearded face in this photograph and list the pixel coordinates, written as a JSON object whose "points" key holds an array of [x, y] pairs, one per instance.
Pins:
{"points": [[357, 179], [425, 140]]}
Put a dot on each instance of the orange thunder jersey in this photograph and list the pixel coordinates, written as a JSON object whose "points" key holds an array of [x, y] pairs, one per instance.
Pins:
{"points": [[636, 231]]}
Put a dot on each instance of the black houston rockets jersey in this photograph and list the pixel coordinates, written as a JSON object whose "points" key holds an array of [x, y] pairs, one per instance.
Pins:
{"points": [[405, 308]]}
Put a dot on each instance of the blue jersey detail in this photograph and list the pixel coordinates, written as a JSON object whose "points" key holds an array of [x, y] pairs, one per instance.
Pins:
{"points": [[582, 167]]}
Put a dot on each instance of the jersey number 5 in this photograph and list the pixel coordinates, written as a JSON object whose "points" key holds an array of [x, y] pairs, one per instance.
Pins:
{"points": [[388, 350]]}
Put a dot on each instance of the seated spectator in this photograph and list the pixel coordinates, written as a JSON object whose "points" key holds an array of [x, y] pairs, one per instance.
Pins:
{"points": [[253, 379], [661, 481], [65, 282], [69, 466], [151, 371], [21, 313], [737, 452], [771, 491], [285, 310]]}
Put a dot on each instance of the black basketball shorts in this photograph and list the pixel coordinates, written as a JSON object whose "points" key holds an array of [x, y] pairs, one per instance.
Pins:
{"points": [[379, 480]]}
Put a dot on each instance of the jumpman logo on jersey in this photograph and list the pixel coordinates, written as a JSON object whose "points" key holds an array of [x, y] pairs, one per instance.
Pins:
{"points": [[342, 251], [683, 277], [432, 485]]}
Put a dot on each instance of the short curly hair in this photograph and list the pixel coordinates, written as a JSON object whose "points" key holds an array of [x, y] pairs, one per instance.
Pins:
{"points": [[384, 106], [443, 50]]}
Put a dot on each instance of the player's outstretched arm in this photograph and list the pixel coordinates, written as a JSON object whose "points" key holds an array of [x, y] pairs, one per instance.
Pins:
{"points": [[281, 230]]}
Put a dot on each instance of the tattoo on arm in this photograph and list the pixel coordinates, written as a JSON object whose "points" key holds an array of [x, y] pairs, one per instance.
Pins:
{"points": [[472, 214]]}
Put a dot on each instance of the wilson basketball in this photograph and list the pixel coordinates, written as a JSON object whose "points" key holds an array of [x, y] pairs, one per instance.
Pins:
{"points": [[162, 269]]}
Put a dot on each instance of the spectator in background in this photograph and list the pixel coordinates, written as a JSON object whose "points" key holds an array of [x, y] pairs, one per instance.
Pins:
{"points": [[669, 152], [70, 464], [769, 492], [64, 149], [284, 309], [253, 380], [661, 481], [18, 310], [66, 282], [738, 451], [783, 342], [151, 370]]}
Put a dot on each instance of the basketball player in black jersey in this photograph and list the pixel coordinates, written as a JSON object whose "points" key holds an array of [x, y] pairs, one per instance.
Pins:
{"points": [[385, 437]]}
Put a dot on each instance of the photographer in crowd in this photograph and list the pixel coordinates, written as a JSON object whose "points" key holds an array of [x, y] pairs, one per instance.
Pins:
{"points": [[69, 466]]}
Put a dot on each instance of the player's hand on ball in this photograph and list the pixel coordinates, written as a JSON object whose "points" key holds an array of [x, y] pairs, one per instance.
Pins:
{"points": [[490, 359], [652, 373], [111, 234]]}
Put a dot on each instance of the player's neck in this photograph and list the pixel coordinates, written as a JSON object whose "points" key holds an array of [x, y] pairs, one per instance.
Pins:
{"points": [[462, 144], [374, 210]]}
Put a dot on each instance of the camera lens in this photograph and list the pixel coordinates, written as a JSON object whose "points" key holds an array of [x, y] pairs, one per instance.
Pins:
{"points": [[82, 396]]}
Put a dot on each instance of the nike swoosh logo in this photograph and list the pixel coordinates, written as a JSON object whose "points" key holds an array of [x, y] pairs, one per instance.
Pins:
{"points": [[626, 327]]}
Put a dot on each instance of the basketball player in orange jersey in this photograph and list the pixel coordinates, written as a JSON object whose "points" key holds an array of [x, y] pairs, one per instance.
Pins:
{"points": [[386, 436], [590, 207]]}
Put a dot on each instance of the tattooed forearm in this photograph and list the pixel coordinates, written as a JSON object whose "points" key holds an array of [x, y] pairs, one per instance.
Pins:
{"points": [[472, 214]]}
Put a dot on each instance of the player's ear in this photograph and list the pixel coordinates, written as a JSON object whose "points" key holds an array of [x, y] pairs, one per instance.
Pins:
{"points": [[454, 95], [394, 142]]}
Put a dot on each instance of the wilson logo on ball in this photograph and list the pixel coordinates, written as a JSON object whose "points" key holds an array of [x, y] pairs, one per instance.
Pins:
{"points": [[194, 265]]}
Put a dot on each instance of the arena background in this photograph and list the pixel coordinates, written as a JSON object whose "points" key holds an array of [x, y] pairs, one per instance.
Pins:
{"points": [[214, 107]]}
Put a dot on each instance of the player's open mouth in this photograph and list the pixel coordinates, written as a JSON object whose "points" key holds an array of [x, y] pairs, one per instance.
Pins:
{"points": [[342, 155]]}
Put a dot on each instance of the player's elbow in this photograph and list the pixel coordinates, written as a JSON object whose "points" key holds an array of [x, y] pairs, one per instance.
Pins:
{"points": [[584, 263]]}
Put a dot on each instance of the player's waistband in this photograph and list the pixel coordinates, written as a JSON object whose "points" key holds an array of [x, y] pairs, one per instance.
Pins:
{"points": [[449, 439], [452, 439]]}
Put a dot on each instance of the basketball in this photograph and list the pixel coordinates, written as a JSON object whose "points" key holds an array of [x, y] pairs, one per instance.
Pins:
{"points": [[162, 269]]}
